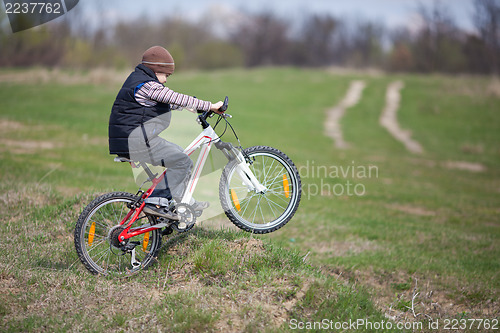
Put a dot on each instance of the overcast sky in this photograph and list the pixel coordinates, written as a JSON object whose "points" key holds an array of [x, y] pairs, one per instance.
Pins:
{"points": [[390, 12]]}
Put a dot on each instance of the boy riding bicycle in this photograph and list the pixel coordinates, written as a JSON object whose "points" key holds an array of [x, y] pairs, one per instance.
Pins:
{"points": [[140, 113]]}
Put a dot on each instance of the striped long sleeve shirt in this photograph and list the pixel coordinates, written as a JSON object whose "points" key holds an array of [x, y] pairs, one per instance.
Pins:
{"points": [[153, 92]]}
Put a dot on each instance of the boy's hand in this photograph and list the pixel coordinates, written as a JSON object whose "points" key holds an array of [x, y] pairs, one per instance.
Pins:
{"points": [[215, 107]]}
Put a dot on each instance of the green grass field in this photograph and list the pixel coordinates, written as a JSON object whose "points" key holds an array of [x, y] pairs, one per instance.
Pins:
{"points": [[402, 227]]}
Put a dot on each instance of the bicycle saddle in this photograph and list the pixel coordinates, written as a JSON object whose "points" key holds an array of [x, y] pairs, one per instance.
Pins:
{"points": [[122, 159]]}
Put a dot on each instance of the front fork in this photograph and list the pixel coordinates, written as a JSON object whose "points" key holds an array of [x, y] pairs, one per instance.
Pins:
{"points": [[242, 167], [249, 178]]}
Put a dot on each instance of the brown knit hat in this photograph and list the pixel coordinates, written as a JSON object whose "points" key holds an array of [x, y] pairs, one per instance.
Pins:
{"points": [[159, 60]]}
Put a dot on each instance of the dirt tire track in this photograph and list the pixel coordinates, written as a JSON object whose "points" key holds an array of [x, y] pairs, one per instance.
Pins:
{"points": [[388, 118], [333, 115]]}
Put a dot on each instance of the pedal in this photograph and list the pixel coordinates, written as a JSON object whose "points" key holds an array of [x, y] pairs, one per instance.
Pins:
{"points": [[130, 246]]}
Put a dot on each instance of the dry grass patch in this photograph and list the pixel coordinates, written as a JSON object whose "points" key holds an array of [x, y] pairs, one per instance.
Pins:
{"points": [[404, 297]]}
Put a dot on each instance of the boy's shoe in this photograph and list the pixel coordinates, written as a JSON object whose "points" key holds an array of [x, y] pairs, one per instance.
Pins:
{"points": [[160, 212], [199, 206]]}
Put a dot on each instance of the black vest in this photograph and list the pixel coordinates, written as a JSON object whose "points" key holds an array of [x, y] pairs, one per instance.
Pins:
{"points": [[127, 114]]}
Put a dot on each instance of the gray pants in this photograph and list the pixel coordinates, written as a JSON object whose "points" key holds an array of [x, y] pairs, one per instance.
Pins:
{"points": [[178, 164]]}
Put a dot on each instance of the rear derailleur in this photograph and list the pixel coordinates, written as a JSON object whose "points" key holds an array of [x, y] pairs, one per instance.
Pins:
{"points": [[128, 248]]}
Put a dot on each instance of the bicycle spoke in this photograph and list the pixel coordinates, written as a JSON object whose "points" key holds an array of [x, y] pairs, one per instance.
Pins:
{"points": [[276, 180], [248, 204], [257, 167], [99, 223], [266, 176], [248, 198], [104, 252], [261, 212], [120, 260], [255, 210], [95, 246], [276, 204], [280, 196], [97, 236], [271, 207], [114, 213], [276, 177], [103, 218], [123, 213]]}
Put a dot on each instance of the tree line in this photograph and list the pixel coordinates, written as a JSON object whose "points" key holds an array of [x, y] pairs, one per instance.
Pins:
{"points": [[265, 39]]}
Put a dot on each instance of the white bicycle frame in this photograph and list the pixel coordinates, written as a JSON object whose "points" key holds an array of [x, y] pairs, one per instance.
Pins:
{"points": [[205, 140]]}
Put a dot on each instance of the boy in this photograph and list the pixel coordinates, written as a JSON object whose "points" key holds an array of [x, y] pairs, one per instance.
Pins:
{"points": [[142, 111]]}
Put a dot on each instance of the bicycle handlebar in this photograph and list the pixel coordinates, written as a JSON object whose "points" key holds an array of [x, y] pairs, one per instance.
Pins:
{"points": [[203, 117]]}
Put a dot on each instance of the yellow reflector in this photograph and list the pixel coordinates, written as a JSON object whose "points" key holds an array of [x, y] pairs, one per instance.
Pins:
{"points": [[91, 233], [236, 202], [145, 242], [286, 187]]}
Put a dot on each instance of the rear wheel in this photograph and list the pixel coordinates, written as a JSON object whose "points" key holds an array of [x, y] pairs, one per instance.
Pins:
{"points": [[96, 237], [261, 212]]}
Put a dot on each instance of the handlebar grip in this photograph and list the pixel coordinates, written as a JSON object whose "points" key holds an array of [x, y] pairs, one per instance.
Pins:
{"points": [[223, 108]]}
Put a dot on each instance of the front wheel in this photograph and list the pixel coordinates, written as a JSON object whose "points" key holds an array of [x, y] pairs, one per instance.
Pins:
{"points": [[269, 210], [96, 237]]}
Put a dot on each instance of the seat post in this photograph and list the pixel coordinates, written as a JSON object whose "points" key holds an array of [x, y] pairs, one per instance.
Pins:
{"points": [[148, 170]]}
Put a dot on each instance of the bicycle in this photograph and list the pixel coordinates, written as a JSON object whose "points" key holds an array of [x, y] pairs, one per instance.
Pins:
{"points": [[259, 191]]}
